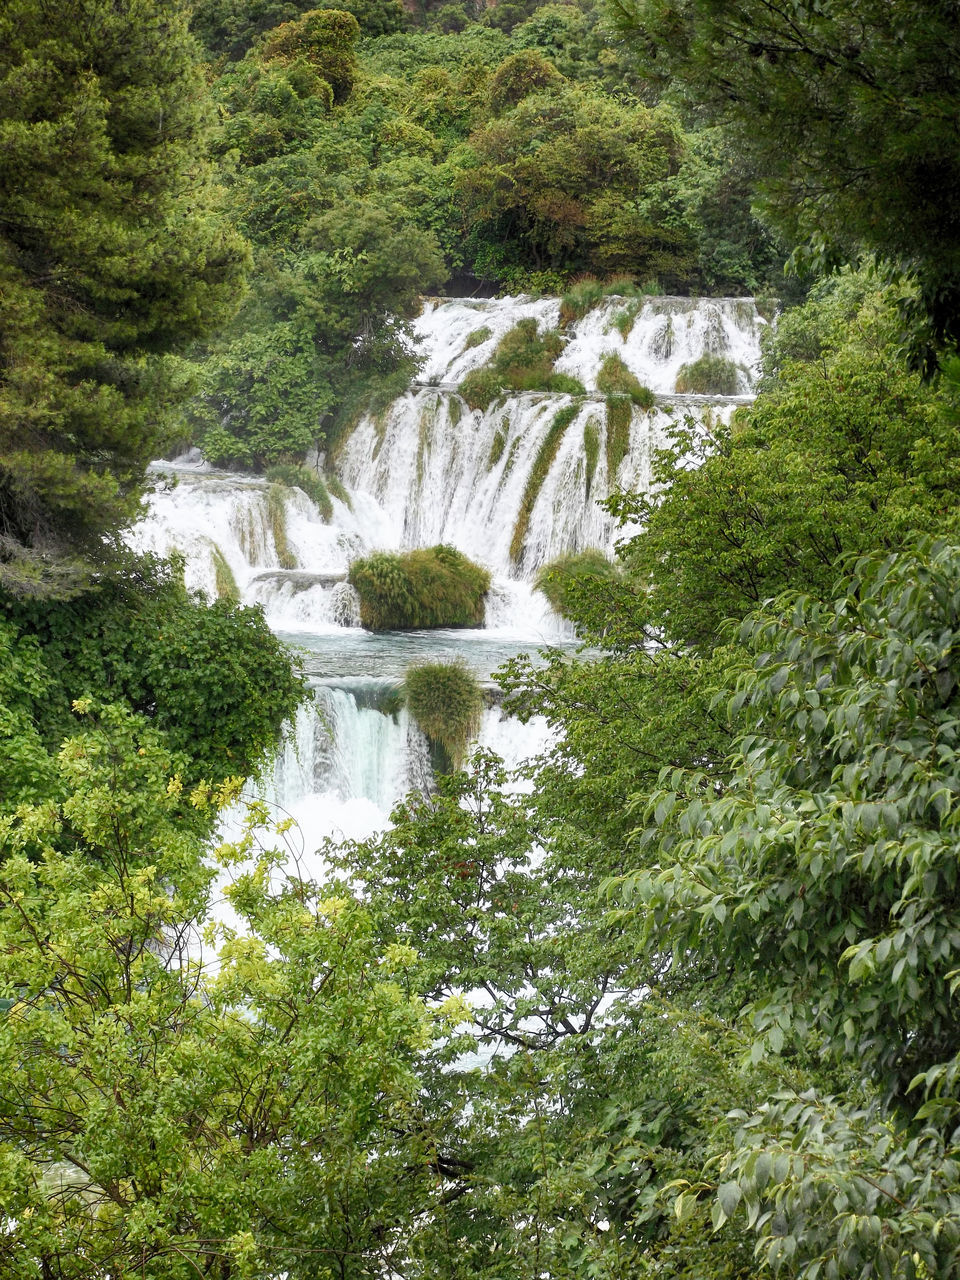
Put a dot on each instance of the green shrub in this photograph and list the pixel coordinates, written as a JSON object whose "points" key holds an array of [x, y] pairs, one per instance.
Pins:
{"points": [[477, 338], [446, 701], [277, 515], [619, 418], [539, 472], [615, 379], [480, 387], [298, 476], [709, 376], [564, 579], [523, 361], [564, 384], [431, 587], [625, 318]]}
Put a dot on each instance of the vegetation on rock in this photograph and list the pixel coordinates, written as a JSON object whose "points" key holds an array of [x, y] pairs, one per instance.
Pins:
{"points": [[432, 587], [447, 702], [708, 376]]}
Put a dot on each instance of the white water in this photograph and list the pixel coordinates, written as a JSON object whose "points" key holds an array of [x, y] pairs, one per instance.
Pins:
{"points": [[430, 470]]}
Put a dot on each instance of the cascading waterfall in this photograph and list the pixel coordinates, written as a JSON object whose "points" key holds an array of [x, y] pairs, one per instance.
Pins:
{"points": [[429, 470]]}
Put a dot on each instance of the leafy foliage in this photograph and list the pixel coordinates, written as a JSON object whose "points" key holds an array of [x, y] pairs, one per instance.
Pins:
{"points": [[845, 112], [160, 1117], [113, 253]]}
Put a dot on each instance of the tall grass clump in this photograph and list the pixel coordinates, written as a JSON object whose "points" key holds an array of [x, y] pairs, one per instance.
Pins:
{"points": [[277, 515], [431, 587], [709, 376], [446, 701], [591, 449], [564, 580], [619, 418], [477, 338], [539, 472], [224, 581], [297, 476], [584, 294], [523, 361], [615, 379]]}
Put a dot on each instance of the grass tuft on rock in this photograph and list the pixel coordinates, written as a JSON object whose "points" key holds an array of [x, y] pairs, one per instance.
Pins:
{"points": [[430, 587], [619, 418], [277, 515], [539, 472], [224, 580], [446, 701], [584, 294], [591, 450], [477, 338], [296, 476], [564, 580], [615, 379], [523, 361], [709, 376]]}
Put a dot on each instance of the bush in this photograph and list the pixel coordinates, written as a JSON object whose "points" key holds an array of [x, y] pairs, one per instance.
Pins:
{"points": [[520, 75], [447, 703], [615, 379], [709, 376], [563, 580], [300, 477], [432, 587], [480, 387]]}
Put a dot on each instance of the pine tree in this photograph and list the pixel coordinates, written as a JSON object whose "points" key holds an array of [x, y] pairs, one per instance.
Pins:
{"points": [[112, 255]]}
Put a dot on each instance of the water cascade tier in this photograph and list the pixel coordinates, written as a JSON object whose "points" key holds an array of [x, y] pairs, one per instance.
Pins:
{"points": [[512, 486]]}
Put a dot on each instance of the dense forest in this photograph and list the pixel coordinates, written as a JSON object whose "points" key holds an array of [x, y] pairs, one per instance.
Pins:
{"points": [[682, 1002]]}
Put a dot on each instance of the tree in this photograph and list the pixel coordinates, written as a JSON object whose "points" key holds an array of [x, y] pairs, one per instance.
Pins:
{"points": [[825, 877], [112, 253], [843, 451], [160, 1117], [848, 111]]}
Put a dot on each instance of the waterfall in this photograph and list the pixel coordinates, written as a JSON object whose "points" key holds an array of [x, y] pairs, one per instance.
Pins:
{"points": [[428, 470]]}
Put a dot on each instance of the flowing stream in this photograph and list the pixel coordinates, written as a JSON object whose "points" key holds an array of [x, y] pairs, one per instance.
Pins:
{"points": [[431, 470]]}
